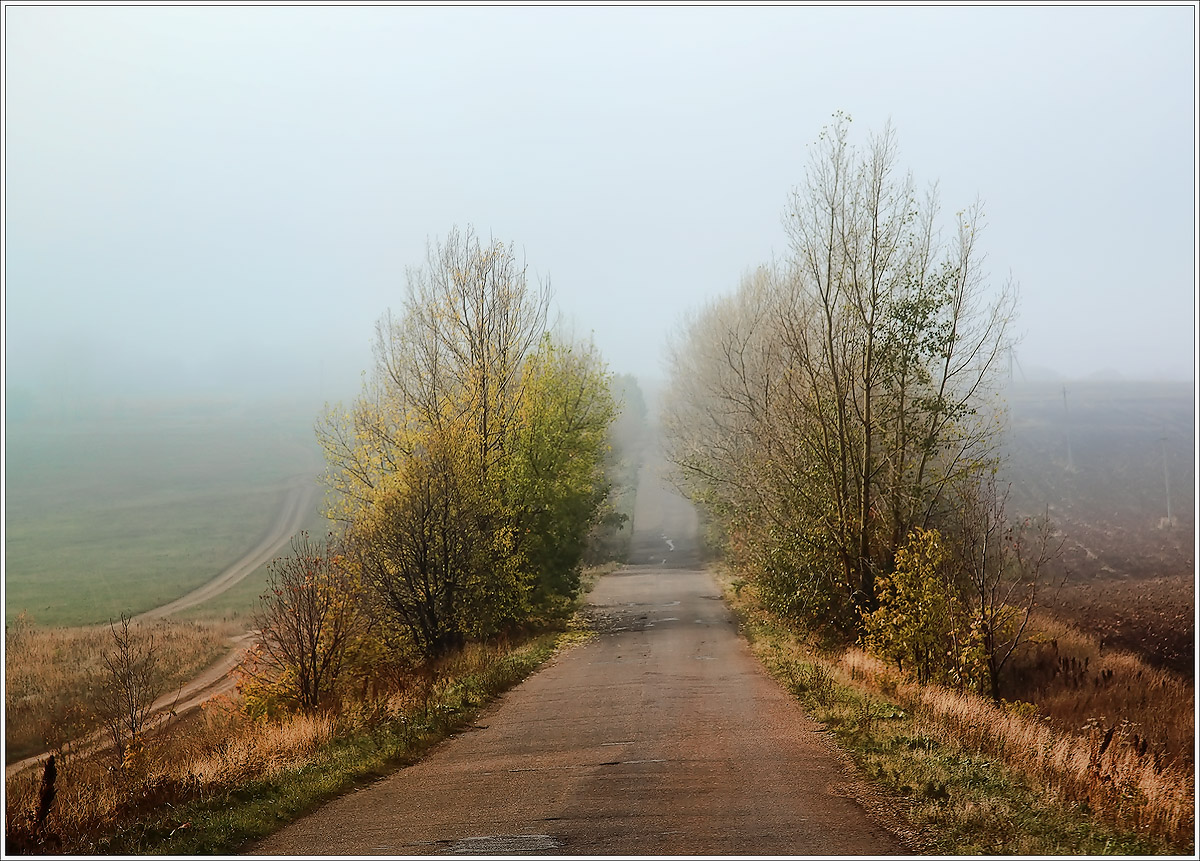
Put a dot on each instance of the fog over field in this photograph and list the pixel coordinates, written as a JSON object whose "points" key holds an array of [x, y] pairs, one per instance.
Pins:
{"points": [[222, 200], [358, 362]]}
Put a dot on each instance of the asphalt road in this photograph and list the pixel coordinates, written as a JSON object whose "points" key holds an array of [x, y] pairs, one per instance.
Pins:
{"points": [[660, 736]]}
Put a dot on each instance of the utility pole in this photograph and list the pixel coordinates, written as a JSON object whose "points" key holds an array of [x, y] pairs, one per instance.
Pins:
{"points": [[1166, 475], [1013, 360], [1067, 432]]}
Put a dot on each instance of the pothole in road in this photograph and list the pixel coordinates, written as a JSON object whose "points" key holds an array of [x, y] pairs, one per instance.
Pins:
{"points": [[504, 844]]}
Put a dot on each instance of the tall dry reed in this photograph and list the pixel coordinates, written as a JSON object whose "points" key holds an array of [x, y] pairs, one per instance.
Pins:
{"points": [[52, 675], [1074, 681], [1107, 764]]}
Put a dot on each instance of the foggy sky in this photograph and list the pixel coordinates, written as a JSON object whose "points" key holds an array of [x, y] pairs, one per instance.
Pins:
{"points": [[229, 196]]}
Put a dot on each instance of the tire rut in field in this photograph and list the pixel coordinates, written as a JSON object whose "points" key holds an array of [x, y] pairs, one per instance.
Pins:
{"points": [[287, 523]]}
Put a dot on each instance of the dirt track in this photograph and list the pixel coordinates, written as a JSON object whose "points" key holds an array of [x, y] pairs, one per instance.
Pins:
{"points": [[216, 679], [296, 506]]}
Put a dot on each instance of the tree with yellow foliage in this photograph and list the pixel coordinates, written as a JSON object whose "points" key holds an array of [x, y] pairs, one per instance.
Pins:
{"points": [[307, 621], [471, 468], [923, 622]]}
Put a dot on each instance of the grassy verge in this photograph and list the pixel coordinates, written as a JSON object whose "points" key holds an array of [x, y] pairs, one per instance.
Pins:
{"points": [[972, 777], [371, 747], [225, 781]]}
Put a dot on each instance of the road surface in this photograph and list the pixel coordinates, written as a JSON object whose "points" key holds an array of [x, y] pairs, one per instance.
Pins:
{"points": [[660, 736]]}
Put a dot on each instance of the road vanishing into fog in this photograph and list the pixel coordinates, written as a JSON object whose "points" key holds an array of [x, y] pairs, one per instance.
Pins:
{"points": [[662, 735], [217, 679]]}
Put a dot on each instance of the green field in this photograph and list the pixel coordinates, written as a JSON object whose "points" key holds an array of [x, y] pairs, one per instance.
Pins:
{"points": [[241, 600], [123, 511]]}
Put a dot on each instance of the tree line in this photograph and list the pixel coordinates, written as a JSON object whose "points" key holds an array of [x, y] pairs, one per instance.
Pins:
{"points": [[838, 421], [467, 482]]}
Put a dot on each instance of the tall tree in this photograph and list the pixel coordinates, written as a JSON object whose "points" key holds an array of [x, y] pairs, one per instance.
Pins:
{"points": [[830, 405], [467, 471], [556, 482]]}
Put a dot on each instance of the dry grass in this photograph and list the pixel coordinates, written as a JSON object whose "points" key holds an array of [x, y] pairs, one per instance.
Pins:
{"points": [[199, 758], [220, 751], [1107, 735], [268, 750], [1103, 767], [1076, 683], [51, 675]]}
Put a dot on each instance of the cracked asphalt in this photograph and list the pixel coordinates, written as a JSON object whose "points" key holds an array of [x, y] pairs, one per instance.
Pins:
{"points": [[661, 736]]}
